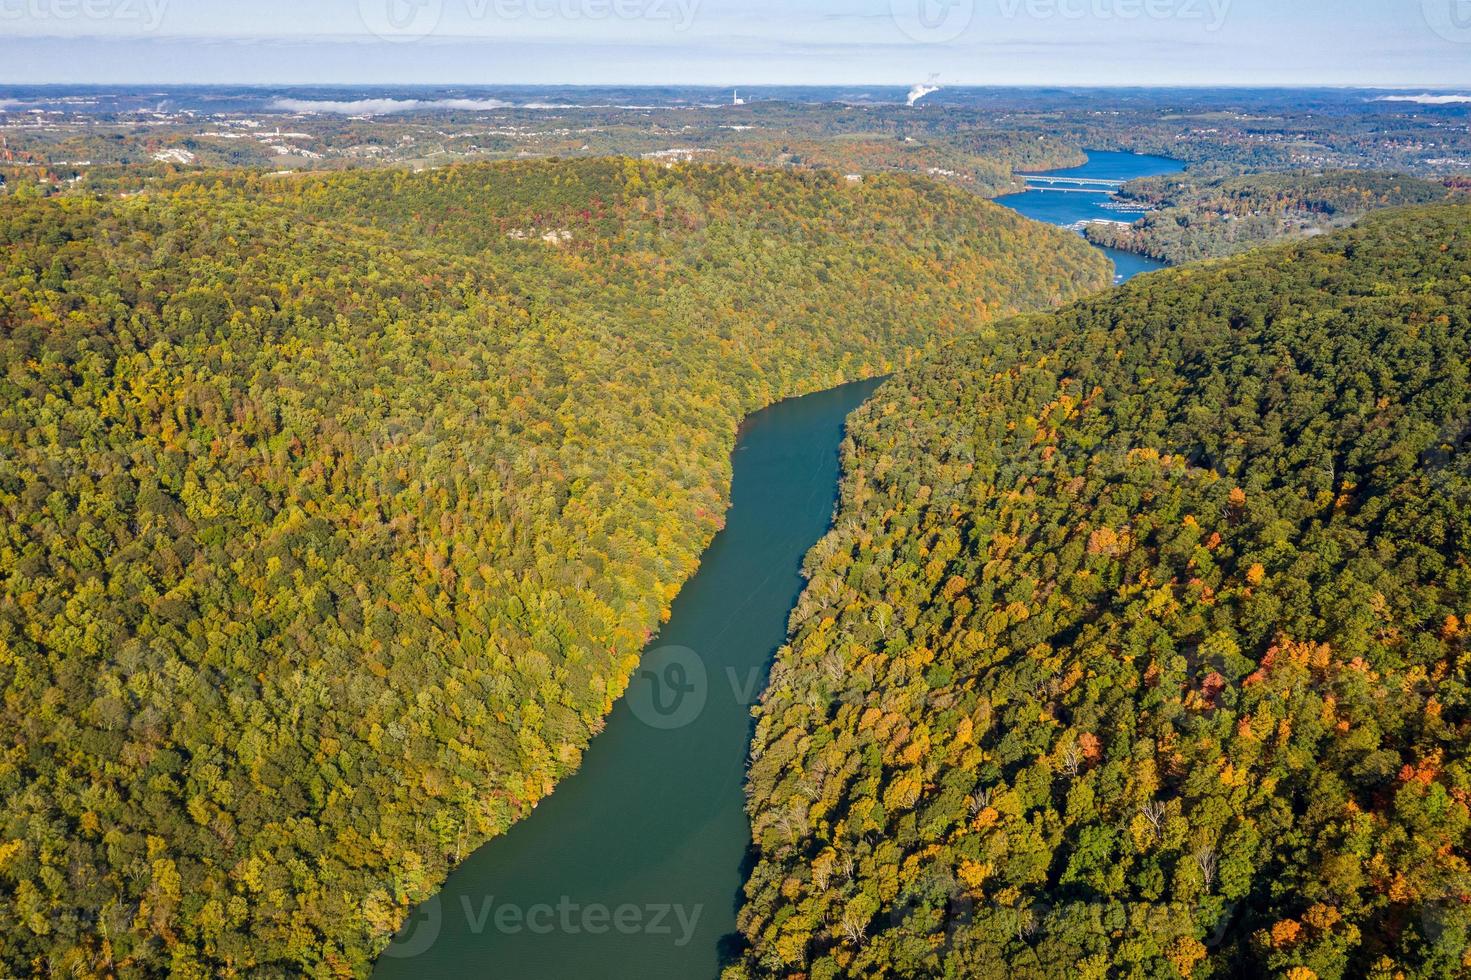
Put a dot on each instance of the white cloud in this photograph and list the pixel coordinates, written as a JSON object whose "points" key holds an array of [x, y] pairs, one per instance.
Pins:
{"points": [[385, 107], [1427, 99]]}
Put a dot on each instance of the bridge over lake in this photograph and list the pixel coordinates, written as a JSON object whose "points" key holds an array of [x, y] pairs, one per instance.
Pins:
{"points": [[1072, 185], [1077, 181]]}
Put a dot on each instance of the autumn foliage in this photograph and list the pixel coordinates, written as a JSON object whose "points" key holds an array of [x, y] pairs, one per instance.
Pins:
{"points": [[335, 511], [1203, 705]]}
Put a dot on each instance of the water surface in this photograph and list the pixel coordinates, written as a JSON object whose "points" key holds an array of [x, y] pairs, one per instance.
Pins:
{"points": [[632, 868], [1058, 207]]}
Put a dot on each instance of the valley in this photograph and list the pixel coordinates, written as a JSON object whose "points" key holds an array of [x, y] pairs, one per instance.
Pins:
{"points": [[657, 532]]}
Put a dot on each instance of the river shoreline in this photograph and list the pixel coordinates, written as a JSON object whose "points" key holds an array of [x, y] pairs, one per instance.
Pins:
{"points": [[634, 866], [1068, 209]]}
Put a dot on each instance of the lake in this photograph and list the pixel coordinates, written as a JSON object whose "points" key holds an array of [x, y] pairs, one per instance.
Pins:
{"points": [[1067, 206], [632, 868]]}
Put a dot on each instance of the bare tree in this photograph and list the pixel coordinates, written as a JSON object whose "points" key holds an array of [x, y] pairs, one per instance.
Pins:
{"points": [[811, 787], [833, 669], [1154, 812], [1072, 760], [789, 821], [1205, 860], [1026, 924], [854, 928]]}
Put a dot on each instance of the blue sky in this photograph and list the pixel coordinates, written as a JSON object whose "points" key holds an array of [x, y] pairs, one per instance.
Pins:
{"points": [[1412, 43]]}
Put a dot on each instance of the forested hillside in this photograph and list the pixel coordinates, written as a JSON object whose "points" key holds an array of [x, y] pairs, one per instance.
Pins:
{"points": [[1140, 647], [335, 511], [1203, 217]]}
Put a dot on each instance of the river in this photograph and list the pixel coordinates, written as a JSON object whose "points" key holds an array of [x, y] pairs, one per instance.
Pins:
{"points": [[632, 868], [1059, 207]]}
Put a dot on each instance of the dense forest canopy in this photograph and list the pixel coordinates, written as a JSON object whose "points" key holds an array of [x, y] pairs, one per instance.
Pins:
{"points": [[1140, 646], [335, 511], [1202, 217]]}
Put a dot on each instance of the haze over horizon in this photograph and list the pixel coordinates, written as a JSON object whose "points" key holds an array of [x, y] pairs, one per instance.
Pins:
{"points": [[1401, 43]]}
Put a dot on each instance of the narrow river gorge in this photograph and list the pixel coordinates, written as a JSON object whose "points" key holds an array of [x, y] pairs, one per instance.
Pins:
{"points": [[632, 868]]}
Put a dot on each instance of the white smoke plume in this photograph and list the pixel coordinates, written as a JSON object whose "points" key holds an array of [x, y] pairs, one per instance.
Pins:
{"points": [[922, 89]]}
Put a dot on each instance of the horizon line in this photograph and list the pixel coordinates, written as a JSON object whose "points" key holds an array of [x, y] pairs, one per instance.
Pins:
{"points": [[757, 86]]}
